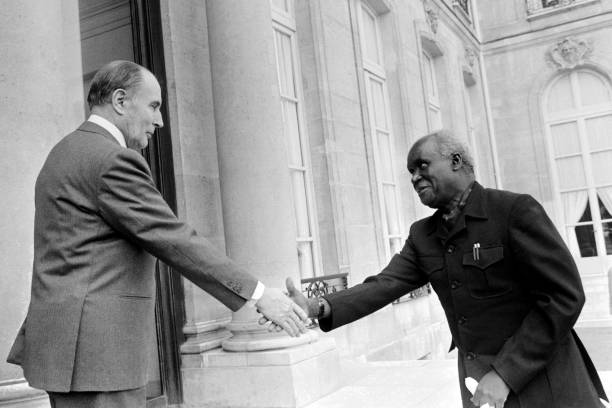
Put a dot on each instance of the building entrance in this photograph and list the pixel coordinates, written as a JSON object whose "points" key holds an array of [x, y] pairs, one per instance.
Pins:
{"points": [[131, 30]]}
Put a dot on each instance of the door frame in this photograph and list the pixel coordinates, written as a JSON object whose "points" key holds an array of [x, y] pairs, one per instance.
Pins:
{"points": [[170, 308]]}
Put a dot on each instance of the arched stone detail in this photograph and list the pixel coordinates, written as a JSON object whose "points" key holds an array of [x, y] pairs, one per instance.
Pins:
{"points": [[536, 98]]}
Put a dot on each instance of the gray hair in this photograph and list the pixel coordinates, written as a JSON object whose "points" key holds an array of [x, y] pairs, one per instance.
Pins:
{"points": [[448, 145], [112, 76]]}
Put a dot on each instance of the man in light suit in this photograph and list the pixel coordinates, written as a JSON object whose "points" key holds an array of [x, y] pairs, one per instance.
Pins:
{"points": [[507, 282], [99, 222]]}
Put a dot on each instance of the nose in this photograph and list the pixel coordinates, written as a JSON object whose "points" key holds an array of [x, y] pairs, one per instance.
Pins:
{"points": [[158, 122], [415, 177]]}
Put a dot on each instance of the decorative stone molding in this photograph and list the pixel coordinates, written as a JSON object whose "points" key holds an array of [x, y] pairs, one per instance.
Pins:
{"points": [[464, 5], [432, 16], [17, 393], [205, 336], [470, 57], [569, 53], [468, 68], [462, 9]]}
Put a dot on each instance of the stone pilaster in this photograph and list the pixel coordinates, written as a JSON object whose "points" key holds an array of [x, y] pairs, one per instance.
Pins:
{"points": [[194, 148], [255, 185], [41, 95], [254, 368]]}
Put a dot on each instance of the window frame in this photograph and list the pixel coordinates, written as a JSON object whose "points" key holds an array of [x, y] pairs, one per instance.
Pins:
{"points": [[432, 99], [284, 23], [579, 115], [373, 71]]}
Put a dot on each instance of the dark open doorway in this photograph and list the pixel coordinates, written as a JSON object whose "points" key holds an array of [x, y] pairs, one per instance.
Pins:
{"points": [[131, 30]]}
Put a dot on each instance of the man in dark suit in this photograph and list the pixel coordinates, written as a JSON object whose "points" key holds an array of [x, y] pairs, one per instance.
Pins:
{"points": [[99, 221], [507, 282]]}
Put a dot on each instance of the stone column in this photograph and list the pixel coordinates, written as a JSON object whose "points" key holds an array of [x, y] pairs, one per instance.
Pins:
{"points": [[41, 95], [255, 368], [196, 168], [255, 185]]}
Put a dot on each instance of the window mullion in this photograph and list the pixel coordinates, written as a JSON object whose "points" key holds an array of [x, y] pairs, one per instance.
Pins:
{"points": [[593, 200]]}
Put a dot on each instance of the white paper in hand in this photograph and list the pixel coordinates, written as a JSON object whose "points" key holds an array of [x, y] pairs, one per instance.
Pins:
{"points": [[471, 385]]}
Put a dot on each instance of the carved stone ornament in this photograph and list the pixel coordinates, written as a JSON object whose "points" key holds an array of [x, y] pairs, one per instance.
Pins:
{"points": [[432, 17], [468, 68], [569, 52], [470, 57]]}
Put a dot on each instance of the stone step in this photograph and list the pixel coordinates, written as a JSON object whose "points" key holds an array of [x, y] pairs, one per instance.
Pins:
{"points": [[597, 292], [598, 341], [406, 384]]}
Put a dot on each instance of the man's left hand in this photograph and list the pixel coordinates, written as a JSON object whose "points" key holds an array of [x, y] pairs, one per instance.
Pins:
{"points": [[491, 390]]}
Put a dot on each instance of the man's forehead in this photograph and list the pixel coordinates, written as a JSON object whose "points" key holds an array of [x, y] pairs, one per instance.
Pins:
{"points": [[150, 86], [421, 150]]}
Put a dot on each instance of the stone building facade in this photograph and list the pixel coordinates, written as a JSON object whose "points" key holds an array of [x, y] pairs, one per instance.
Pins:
{"points": [[287, 128]]}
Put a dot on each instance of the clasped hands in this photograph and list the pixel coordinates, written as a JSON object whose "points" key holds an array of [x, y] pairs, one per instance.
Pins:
{"points": [[285, 311]]}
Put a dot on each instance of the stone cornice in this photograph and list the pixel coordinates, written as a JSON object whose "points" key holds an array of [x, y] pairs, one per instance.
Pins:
{"points": [[548, 34]]}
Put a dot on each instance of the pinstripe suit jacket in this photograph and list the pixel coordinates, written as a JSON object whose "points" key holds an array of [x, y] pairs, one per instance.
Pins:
{"points": [[99, 221]]}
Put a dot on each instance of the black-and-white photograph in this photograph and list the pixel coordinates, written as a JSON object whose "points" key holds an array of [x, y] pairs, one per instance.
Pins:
{"points": [[306, 204]]}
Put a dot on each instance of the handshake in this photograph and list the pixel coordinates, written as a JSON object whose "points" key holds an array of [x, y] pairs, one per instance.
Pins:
{"points": [[287, 311]]}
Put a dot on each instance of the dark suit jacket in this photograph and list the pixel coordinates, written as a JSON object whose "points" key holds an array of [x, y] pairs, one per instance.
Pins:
{"points": [[512, 309], [98, 220]]}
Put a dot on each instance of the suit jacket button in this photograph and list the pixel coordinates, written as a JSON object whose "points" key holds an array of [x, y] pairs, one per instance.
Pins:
{"points": [[450, 249], [470, 356], [462, 320], [455, 284]]}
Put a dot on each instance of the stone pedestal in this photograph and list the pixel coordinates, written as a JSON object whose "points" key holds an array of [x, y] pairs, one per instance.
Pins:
{"points": [[202, 337], [597, 291], [289, 377], [249, 335], [20, 395]]}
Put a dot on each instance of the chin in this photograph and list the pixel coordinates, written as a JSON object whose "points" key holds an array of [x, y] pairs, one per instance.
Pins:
{"points": [[142, 145], [430, 204]]}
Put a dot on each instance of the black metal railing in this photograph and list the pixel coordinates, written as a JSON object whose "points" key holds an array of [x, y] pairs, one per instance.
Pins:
{"points": [[424, 290], [420, 292], [536, 6], [324, 285]]}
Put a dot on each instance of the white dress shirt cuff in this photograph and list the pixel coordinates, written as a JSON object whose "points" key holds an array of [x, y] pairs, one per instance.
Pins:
{"points": [[257, 293]]}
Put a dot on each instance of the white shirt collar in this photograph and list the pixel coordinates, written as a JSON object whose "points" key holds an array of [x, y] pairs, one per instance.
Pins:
{"points": [[112, 129]]}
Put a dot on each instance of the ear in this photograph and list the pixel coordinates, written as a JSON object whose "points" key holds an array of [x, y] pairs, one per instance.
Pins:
{"points": [[118, 100], [456, 161]]}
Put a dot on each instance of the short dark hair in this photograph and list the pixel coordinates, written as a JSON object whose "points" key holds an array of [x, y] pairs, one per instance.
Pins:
{"points": [[112, 76], [449, 145]]}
